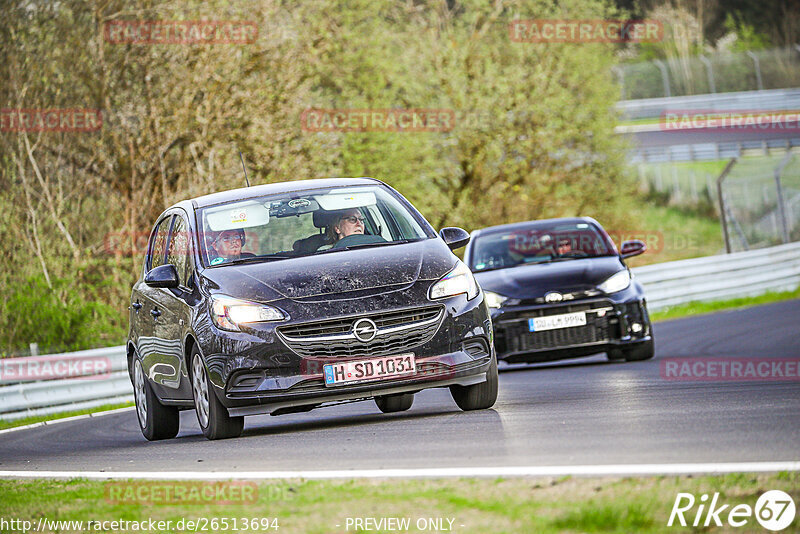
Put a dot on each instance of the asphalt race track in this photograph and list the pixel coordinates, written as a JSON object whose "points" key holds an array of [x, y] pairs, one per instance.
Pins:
{"points": [[582, 412]]}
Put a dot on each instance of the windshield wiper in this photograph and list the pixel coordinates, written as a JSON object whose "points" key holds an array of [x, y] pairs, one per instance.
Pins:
{"points": [[256, 259], [560, 258], [366, 245], [378, 244]]}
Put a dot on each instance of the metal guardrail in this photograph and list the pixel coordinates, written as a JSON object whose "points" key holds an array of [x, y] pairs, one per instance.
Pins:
{"points": [[36, 385], [776, 99], [712, 151], [741, 274], [23, 393]]}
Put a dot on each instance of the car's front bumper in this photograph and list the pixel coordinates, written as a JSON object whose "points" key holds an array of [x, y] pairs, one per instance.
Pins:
{"points": [[609, 325], [313, 392], [262, 371]]}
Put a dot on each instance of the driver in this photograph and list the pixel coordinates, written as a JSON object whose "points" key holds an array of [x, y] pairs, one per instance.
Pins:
{"points": [[564, 246], [350, 222]]}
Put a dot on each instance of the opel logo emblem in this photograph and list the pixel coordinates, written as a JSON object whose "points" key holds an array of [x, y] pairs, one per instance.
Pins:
{"points": [[553, 296], [365, 330]]}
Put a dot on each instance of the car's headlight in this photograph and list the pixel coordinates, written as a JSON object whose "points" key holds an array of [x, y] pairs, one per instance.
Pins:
{"points": [[616, 282], [228, 313], [493, 300], [457, 281]]}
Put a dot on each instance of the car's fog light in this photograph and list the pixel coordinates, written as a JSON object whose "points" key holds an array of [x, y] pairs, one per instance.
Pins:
{"points": [[636, 328]]}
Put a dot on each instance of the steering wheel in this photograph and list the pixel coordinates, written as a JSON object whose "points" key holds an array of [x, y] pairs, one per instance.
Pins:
{"points": [[358, 239]]}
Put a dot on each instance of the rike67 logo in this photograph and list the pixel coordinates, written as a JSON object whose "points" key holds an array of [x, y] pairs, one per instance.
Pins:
{"points": [[774, 510]]}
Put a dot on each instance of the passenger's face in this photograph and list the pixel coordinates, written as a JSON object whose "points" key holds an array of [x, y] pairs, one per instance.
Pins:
{"points": [[352, 222], [229, 244]]}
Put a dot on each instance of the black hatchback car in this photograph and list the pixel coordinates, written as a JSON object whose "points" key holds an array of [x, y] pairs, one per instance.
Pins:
{"points": [[558, 288], [284, 297]]}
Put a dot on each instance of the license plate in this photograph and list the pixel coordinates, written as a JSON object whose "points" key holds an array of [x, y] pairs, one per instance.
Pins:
{"points": [[551, 322], [366, 370]]}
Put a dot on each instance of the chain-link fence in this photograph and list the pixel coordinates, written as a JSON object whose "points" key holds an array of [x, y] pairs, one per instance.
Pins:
{"points": [[761, 195], [762, 202], [714, 73]]}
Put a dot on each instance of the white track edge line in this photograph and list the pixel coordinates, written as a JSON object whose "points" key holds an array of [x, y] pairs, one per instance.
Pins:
{"points": [[67, 419], [506, 471]]}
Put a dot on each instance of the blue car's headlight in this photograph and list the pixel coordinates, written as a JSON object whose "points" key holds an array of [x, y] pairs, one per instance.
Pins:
{"points": [[493, 300], [616, 282]]}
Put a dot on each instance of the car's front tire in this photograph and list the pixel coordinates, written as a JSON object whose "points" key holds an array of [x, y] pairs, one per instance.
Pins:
{"points": [[213, 417], [479, 396], [395, 403], [640, 352], [155, 420]]}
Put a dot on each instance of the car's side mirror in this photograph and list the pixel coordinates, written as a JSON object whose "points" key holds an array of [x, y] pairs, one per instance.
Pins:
{"points": [[162, 276], [634, 247], [454, 237]]}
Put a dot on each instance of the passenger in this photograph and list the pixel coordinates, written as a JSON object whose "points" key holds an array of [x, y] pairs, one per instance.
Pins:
{"points": [[227, 246]]}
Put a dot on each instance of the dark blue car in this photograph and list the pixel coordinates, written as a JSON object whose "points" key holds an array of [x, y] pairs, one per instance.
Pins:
{"points": [[286, 297], [558, 288]]}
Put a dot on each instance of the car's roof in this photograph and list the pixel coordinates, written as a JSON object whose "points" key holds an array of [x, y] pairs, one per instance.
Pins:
{"points": [[534, 224], [277, 188]]}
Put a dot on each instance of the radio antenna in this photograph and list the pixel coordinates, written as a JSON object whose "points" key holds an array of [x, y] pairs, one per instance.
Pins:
{"points": [[241, 158]]}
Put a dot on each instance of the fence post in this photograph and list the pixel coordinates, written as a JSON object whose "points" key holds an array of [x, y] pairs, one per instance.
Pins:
{"points": [[758, 69], [779, 191], [722, 215], [621, 75], [664, 76], [711, 86]]}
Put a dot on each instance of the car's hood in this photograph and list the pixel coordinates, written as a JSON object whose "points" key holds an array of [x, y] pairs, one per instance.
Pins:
{"points": [[534, 280], [335, 275]]}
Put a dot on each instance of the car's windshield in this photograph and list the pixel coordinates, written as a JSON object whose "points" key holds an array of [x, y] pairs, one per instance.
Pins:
{"points": [[538, 244], [303, 223]]}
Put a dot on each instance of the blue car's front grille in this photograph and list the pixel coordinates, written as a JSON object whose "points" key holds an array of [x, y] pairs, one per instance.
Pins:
{"points": [[397, 332], [512, 333]]}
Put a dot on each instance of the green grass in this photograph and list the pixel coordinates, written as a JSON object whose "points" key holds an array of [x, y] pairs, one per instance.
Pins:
{"points": [[698, 308], [53, 417], [609, 504], [670, 234]]}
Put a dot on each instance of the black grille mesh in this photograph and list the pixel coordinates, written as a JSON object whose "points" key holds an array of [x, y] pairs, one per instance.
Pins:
{"points": [[516, 336]]}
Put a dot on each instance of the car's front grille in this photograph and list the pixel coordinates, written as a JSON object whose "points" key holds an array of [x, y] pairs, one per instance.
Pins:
{"points": [[514, 335], [397, 332]]}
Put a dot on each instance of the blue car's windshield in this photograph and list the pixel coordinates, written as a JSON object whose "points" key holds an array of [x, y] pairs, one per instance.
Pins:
{"points": [[538, 244], [304, 223]]}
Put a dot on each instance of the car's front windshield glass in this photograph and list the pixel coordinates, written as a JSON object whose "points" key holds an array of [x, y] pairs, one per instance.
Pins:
{"points": [[303, 223], [538, 244]]}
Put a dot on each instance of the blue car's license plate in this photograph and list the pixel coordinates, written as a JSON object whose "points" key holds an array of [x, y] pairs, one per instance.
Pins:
{"points": [[552, 322], [365, 370]]}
